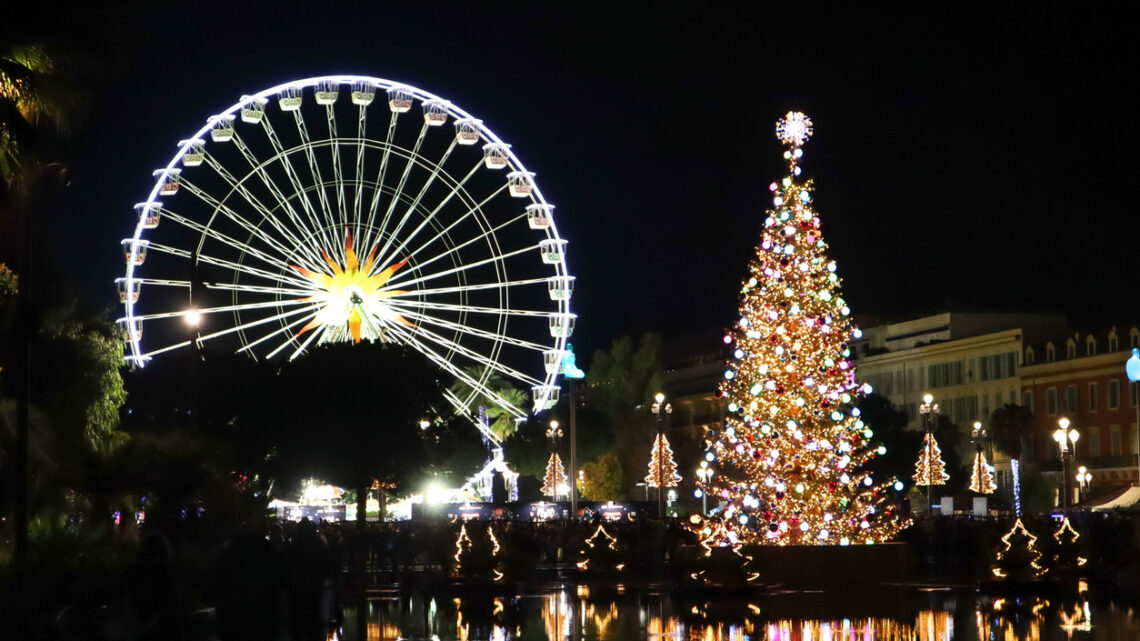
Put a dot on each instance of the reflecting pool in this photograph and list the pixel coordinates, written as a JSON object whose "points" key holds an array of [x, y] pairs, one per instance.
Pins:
{"points": [[592, 613]]}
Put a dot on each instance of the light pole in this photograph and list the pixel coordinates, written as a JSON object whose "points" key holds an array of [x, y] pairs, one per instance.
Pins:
{"points": [[1083, 481], [554, 434], [1067, 440], [929, 411], [705, 473], [661, 410]]}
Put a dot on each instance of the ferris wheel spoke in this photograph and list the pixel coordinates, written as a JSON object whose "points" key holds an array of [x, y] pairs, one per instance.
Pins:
{"points": [[261, 321], [282, 278], [257, 289], [416, 201], [443, 232], [266, 215], [358, 182], [302, 347], [505, 311], [161, 282], [338, 175], [224, 308], [162, 350], [457, 188], [295, 181], [464, 407], [239, 220], [455, 270], [413, 315], [469, 288], [415, 152], [456, 371], [225, 239], [318, 182], [248, 347], [481, 358], [375, 205]]}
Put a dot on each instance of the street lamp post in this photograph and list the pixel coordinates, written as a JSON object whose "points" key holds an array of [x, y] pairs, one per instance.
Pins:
{"points": [[1066, 440], [1083, 481], [929, 411], [554, 434], [705, 473], [661, 410]]}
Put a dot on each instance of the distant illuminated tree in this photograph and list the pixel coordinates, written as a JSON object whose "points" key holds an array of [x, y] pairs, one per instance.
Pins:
{"points": [[554, 482], [662, 467], [930, 469]]}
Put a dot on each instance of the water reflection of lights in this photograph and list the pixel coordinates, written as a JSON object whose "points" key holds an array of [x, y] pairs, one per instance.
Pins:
{"points": [[934, 625], [557, 616]]}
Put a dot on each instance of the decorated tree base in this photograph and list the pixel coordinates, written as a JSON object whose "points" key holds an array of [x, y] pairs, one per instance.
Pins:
{"points": [[839, 566]]}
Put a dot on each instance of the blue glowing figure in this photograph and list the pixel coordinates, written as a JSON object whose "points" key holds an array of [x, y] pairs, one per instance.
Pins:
{"points": [[570, 368], [1132, 365]]}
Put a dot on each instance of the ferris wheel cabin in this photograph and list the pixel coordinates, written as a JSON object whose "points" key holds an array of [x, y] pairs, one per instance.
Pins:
{"points": [[168, 181], [222, 129], [496, 155], [467, 131], [520, 183], [252, 109], [435, 112], [539, 216], [149, 214], [400, 99]]}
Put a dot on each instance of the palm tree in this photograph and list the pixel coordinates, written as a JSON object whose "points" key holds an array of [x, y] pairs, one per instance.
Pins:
{"points": [[1011, 425], [502, 422], [33, 96]]}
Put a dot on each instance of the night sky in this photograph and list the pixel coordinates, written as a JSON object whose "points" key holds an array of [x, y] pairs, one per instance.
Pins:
{"points": [[970, 159]]}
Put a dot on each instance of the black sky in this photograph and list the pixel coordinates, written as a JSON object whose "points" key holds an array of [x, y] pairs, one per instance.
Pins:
{"points": [[978, 158]]}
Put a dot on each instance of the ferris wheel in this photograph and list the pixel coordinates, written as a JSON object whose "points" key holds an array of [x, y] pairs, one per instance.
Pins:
{"points": [[313, 212]]}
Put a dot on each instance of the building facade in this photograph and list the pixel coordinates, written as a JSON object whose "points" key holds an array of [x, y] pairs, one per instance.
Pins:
{"points": [[1081, 377]]}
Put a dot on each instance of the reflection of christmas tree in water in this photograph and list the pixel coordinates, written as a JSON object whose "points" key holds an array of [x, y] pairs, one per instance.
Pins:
{"points": [[1066, 555], [477, 557], [600, 553], [792, 448], [1019, 559]]}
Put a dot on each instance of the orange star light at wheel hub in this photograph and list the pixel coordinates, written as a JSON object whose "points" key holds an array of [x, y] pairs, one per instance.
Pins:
{"points": [[352, 297]]}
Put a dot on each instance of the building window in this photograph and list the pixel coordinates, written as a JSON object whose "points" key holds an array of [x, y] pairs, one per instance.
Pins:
{"points": [[997, 366], [1113, 401], [1114, 431], [1092, 397], [1071, 404], [1012, 397], [1027, 400], [1050, 352], [1051, 401], [985, 404], [1090, 345], [944, 374], [1028, 355], [1134, 337], [1094, 442], [1113, 340], [1070, 348], [1132, 394]]}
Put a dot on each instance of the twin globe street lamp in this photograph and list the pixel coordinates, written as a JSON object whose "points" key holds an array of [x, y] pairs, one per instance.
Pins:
{"points": [[1084, 478], [1066, 440], [705, 474]]}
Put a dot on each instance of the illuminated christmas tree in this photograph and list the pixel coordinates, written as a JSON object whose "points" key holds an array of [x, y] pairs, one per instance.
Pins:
{"points": [[930, 469], [981, 479], [662, 467], [555, 479], [1019, 558], [1066, 555], [792, 448]]}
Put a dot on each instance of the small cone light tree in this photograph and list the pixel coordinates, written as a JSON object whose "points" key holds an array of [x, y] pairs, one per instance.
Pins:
{"points": [[662, 467], [554, 482], [1018, 557], [555, 478], [930, 469], [981, 480], [791, 450]]}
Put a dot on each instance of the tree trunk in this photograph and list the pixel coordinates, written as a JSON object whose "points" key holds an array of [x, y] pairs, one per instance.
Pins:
{"points": [[362, 505], [383, 503]]}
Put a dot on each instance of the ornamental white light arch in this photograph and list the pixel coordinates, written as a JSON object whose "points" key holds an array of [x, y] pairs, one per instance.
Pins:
{"points": [[350, 208]]}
